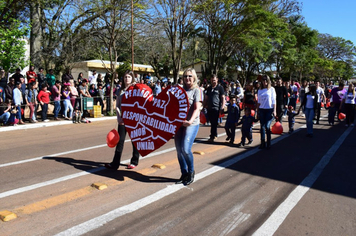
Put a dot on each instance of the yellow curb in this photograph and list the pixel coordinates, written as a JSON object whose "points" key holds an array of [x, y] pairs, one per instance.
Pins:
{"points": [[159, 166], [99, 186], [199, 152], [7, 215]]}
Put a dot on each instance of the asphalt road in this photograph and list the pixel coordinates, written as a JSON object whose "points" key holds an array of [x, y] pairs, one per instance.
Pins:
{"points": [[301, 186]]}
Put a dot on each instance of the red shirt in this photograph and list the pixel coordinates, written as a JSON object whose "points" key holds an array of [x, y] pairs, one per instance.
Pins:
{"points": [[31, 73], [44, 96]]}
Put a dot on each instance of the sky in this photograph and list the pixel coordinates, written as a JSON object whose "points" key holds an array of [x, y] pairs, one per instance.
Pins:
{"points": [[334, 17]]}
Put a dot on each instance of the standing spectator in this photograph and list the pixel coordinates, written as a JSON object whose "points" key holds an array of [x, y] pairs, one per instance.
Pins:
{"points": [[17, 75], [30, 98], [215, 103], [83, 93], [114, 165], [310, 102], [281, 99], [17, 97], [266, 110], [321, 98], [66, 102], [101, 96], [157, 88], [186, 134], [31, 75], [93, 93], [67, 76], [93, 78], [107, 78], [337, 94], [3, 79], [99, 80], [51, 79], [40, 77], [43, 98], [73, 94], [9, 89], [23, 91], [233, 116], [349, 101], [180, 82], [80, 78], [56, 96]]}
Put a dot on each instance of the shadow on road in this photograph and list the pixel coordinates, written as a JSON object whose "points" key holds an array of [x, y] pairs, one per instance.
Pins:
{"points": [[98, 169], [293, 158]]}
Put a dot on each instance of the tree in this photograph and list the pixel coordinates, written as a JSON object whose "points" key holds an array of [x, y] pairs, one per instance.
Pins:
{"points": [[178, 20]]}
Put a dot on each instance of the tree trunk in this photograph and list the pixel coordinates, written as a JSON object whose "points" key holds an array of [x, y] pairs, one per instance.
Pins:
{"points": [[35, 35]]}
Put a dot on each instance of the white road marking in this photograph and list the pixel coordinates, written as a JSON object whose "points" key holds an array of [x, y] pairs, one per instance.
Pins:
{"points": [[170, 189], [271, 225]]}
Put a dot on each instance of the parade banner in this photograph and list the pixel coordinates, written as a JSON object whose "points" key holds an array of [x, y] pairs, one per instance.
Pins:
{"points": [[152, 122]]}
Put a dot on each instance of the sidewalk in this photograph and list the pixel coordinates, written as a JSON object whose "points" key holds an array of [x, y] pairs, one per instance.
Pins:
{"points": [[50, 123]]}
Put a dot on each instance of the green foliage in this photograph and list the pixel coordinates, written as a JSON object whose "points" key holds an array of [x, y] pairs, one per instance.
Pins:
{"points": [[123, 68], [12, 46]]}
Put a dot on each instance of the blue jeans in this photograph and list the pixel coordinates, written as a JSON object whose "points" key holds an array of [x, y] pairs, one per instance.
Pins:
{"points": [[57, 108], [265, 122], [293, 102], [5, 117], [184, 139], [19, 112], [309, 116], [67, 104]]}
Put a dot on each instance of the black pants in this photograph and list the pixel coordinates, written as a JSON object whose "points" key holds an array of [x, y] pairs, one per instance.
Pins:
{"points": [[44, 108], [230, 129], [350, 113], [213, 118], [318, 111], [246, 133], [119, 148], [280, 111]]}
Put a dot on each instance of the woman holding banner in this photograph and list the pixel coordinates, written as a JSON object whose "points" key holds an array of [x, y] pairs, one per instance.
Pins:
{"points": [[128, 81], [185, 136]]}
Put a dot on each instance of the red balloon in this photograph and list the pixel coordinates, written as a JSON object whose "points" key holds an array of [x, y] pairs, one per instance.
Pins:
{"points": [[277, 128], [342, 116], [221, 115], [322, 104], [202, 118], [252, 112], [112, 138], [328, 104]]}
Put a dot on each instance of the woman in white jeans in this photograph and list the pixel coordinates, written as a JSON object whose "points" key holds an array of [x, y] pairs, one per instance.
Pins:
{"points": [[349, 100], [66, 102]]}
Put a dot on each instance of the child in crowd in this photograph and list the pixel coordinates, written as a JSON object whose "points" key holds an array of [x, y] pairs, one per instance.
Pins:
{"points": [[246, 129], [291, 118], [233, 117], [101, 94], [43, 98], [331, 113], [5, 111]]}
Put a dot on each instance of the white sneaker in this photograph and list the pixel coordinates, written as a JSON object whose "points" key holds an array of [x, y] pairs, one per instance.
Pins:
{"points": [[46, 120], [284, 117], [302, 115]]}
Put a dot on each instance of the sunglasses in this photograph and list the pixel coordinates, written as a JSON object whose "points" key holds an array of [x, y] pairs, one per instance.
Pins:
{"points": [[186, 76]]}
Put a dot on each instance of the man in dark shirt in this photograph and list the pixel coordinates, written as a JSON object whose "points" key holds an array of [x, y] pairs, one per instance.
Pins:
{"points": [[41, 78], [281, 98], [67, 76], [214, 102], [17, 75], [9, 89]]}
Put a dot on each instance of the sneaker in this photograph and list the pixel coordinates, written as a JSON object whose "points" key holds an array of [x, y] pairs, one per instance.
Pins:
{"points": [[57, 118], [231, 142], [284, 117], [227, 139], [249, 142], [46, 120], [109, 166], [210, 140], [303, 115], [131, 166]]}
